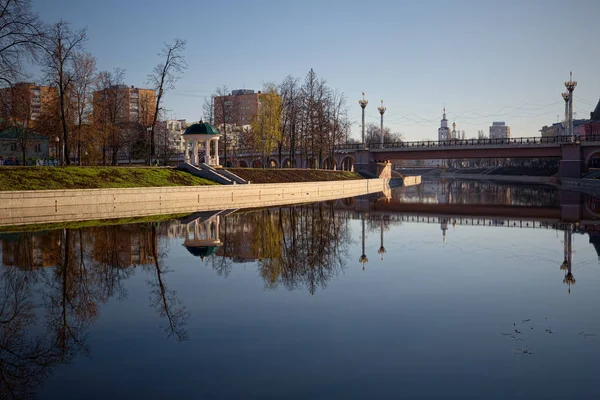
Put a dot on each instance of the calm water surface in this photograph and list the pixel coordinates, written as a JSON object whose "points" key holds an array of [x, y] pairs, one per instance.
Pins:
{"points": [[458, 290]]}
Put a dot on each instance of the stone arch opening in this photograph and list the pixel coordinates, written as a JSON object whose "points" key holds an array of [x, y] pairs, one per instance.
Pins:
{"points": [[287, 163], [312, 163], [592, 161], [273, 163], [347, 163], [330, 163], [257, 163], [243, 164]]}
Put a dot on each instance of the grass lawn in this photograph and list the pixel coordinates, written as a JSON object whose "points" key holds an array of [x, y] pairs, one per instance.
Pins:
{"points": [[285, 175], [48, 178]]}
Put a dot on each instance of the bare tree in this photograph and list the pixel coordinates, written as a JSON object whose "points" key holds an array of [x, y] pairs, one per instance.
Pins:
{"points": [[373, 133], [60, 48], [164, 76], [290, 116], [223, 114], [20, 35], [108, 106], [84, 70], [208, 109]]}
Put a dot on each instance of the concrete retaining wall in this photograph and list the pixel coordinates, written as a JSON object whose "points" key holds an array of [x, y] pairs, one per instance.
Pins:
{"points": [[45, 206]]}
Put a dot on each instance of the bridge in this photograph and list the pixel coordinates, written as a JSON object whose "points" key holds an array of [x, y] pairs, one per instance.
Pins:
{"points": [[574, 153]]}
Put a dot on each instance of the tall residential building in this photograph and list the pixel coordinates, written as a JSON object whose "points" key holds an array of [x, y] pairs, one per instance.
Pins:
{"points": [[26, 102], [238, 108], [174, 129], [499, 130], [129, 104]]}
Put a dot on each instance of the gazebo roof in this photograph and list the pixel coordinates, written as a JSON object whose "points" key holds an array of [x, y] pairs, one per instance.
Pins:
{"points": [[201, 128]]}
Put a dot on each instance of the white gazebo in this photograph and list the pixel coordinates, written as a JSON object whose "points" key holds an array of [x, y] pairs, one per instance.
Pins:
{"points": [[201, 133]]}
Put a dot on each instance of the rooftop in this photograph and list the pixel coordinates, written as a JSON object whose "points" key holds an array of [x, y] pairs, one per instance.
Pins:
{"points": [[201, 128]]}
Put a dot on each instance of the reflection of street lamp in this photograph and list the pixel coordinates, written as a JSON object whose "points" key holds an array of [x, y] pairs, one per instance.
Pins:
{"points": [[381, 250], [363, 258]]}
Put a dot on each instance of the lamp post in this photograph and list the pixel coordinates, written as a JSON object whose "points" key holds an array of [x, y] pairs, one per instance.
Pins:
{"points": [[381, 109], [149, 130], [57, 153], [570, 85], [363, 103]]}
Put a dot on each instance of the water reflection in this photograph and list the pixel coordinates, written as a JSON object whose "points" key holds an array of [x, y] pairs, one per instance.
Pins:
{"points": [[53, 284]]}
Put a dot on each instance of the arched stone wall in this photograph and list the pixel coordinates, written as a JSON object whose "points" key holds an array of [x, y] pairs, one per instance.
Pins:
{"points": [[347, 163], [312, 163], [330, 163]]}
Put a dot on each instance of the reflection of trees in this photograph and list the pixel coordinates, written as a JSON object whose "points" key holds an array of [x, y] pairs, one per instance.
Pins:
{"points": [[302, 246], [24, 360], [87, 267], [163, 299]]}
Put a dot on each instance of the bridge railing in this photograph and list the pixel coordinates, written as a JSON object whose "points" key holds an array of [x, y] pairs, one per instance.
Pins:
{"points": [[477, 142], [351, 147]]}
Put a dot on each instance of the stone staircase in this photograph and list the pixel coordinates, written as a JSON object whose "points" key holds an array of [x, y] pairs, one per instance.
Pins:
{"points": [[205, 171]]}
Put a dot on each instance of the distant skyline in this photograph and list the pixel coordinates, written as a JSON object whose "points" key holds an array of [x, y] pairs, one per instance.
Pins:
{"points": [[484, 60]]}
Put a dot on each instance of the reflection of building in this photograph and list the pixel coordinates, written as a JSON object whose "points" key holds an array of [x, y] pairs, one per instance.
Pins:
{"points": [[28, 250], [123, 246], [202, 234]]}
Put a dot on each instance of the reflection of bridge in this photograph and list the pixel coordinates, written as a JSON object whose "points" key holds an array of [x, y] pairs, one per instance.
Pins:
{"points": [[573, 152]]}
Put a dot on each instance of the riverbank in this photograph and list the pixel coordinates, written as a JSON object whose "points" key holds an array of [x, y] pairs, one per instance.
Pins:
{"points": [[286, 175], [52, 206], [59, 178]]}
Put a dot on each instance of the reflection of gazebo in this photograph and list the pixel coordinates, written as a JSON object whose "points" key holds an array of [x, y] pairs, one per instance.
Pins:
{"points": [[197, 133], [202, 234]]}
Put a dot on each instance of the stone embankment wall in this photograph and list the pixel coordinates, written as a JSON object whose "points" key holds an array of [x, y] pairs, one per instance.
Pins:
{"points": [[46, 206]]}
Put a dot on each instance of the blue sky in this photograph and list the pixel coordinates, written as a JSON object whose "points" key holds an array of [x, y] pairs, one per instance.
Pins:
{"points": [[485, 60]]}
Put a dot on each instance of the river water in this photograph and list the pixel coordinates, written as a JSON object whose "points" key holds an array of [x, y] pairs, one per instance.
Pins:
{"points": [[443, 290]]}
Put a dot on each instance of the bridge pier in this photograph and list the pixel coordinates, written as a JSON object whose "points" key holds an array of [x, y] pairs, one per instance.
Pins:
{"points": [[570, 162], [570, 205], [364, 160]]}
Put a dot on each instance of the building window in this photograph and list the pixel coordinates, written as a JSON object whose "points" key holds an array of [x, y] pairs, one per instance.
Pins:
{"points": [[13, 147], [38, 148]]}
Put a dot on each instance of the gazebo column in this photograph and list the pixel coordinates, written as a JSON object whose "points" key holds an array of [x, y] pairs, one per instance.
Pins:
{"points": [[207, 154], [217, 151], [195, 151], [186, 148]]}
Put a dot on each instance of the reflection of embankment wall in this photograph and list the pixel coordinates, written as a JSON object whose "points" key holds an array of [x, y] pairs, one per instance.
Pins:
{"points": [[44, 206], [543, 180], [584, 185]]}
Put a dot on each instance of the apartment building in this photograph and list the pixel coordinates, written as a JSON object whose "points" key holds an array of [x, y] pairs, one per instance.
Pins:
{"points": [[238, 108], [130, 104], [499, 130], [26, 102]]}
